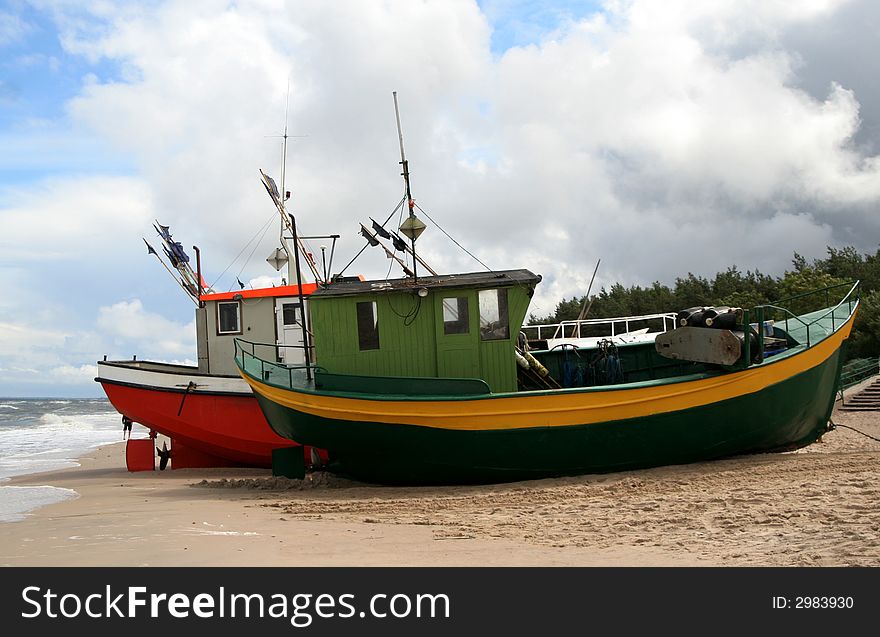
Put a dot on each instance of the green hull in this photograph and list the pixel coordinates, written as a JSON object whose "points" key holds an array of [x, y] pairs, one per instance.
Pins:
{"points": [[787, 415]]}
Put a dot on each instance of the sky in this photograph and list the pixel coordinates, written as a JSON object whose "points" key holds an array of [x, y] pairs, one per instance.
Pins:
{"points": [[662, 137]]}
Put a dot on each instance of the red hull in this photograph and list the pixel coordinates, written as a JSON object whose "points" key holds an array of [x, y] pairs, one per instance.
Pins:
{"points": [[230, 428]]}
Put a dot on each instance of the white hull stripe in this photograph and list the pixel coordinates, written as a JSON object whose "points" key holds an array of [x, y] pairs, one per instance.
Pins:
{"points": [[173, 381]]}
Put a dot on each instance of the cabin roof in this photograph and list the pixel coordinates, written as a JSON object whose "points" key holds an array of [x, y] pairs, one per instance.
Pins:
{"points": [[498, 278], [273, 292]]}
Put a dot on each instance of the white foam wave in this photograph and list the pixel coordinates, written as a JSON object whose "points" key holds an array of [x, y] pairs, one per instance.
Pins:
{"points": [[7, 406], [86, 419], [54, 440], [16, 502], [223, 533]]}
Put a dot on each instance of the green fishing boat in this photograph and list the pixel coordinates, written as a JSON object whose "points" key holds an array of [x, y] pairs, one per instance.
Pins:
{"points": [[430, 379], [427, 380]]}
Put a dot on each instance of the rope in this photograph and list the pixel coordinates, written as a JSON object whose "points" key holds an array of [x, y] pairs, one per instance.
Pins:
{"points": [[451, 239], [411, 314], [835, 426], [261, 230], [390, 265]]}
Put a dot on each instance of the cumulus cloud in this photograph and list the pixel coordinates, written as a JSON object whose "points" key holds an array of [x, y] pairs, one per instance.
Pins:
{"points": [[70, 375], [12, 28], [72, 218], [663, 138], [42, 356], [18, 338], [668, 126], [127, 324]]}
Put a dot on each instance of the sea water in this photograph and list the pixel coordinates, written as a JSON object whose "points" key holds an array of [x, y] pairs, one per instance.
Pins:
{"points": [[44, 435]]}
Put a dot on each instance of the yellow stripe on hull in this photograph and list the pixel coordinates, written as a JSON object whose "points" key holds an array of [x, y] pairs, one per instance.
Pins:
{"points": [[557, 408]]}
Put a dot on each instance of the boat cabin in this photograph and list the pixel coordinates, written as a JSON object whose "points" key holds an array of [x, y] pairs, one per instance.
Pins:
{"points": [[461, 326], [266, 315]]}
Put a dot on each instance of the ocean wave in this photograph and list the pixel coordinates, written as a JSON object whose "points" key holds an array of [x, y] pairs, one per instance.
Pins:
{"points": [[81, 420], [16, 502], [8, 406], [27, 466], [52, 440], [36, 454]]}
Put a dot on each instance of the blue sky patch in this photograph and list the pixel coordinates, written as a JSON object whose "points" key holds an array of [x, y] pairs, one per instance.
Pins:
{"points": [[522, 22]]}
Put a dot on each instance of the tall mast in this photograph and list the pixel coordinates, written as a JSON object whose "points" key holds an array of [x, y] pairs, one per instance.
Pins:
{"points": [[409, 227], [299, 284], [289, 219], [284, 223], [284, 155]]}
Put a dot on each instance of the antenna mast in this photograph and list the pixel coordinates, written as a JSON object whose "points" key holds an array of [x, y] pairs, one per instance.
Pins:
{"points": [[284, 151], [412, 227], [287, 219]]}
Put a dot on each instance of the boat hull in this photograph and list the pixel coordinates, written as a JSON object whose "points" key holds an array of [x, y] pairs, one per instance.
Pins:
{"points": [[782, 417], [217, 421], [775, 406]]}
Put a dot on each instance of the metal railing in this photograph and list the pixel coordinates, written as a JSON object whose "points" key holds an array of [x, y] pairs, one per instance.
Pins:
{"points": [[572, 329], [857, 371], [272, 372], [825, 291], [850, 299]]}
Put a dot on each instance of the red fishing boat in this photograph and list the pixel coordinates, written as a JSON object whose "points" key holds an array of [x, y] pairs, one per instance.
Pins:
{"points": [[207, 410], [211, 415]]}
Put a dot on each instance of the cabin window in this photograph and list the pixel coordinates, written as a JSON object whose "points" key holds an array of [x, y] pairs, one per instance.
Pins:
{"points": [[290, 314], [455, 315], [229, 318], [494, 324], [368, 325]]}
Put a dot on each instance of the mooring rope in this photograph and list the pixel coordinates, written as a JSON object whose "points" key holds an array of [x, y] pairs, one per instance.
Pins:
{"points": [[835, 426]]}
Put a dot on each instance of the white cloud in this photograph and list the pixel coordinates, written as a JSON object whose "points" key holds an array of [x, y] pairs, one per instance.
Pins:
{"points": [[20, 339], [70, 375], [126, 323], [73, 218], [44, 355], [266, 281], [12, 28], [646, 115]]}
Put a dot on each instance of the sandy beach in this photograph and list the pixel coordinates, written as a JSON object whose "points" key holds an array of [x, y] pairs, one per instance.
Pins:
{"points": [[813, 507]]}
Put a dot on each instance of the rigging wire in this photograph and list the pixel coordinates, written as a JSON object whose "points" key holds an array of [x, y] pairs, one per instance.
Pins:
{"points": [[359, 252], [260, 231], [256, 245], [405, 253], [390, 265], [451, 239]]}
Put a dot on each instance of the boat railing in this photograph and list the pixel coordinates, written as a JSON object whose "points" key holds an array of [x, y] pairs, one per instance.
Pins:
{"points": [[576, 328], [826, 292], [270, 371], [856, 371], [772, 310]]}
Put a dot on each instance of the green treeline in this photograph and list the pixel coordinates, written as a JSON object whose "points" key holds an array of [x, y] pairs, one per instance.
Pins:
{"points": [[748, 289]]}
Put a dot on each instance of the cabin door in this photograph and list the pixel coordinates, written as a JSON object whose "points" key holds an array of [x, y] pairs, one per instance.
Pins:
{"points": [[458, 354], [289, 328]]}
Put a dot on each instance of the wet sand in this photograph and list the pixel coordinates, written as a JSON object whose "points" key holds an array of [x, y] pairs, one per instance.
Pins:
{"points": [[813, 507]]}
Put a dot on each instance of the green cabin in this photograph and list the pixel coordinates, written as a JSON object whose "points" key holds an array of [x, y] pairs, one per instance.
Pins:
{"points": [[461, 326]]}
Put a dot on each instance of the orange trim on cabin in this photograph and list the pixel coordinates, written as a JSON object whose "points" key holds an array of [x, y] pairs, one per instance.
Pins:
{"points": [[281, 290], [275, 292]]}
